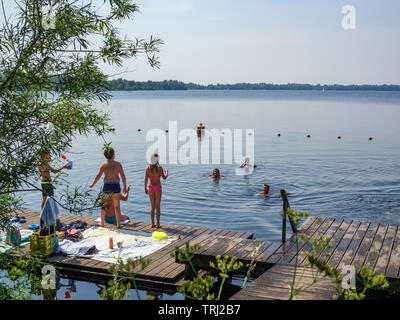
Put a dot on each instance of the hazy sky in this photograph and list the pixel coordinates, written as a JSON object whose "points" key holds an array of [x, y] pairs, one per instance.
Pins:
{"points": [[278, 41]]}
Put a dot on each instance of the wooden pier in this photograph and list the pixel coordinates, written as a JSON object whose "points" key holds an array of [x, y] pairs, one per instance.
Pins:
{"points": [[358, 243], [162, 273]]}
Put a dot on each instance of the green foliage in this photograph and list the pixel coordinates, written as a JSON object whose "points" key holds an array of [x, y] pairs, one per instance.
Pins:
{"points": [[369, 281], [79, 199], [22, 277], [130, 85], [202, 285], [50, 84], [200, 288], [320, 269], [8, 203], [186, 255], [124, 278], [50, 79]]}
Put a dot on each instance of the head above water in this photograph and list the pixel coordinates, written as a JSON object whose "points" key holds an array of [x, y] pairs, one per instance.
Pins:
{"points": [[266, 187], [216, 172], [109, 153]]}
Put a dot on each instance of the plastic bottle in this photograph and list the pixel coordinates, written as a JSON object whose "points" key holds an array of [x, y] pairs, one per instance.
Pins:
{"points": [[68, 161], [111, 244]]}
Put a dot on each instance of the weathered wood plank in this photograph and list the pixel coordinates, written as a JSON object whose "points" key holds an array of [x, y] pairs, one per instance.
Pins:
{"points": [[393, 268], [376, 246], [386, 250], [350, 253], [364, 247], [343, 244]]}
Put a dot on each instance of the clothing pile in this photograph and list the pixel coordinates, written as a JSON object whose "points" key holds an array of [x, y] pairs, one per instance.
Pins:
{"points": [[77, 224], [72, 231], [71, 234]]}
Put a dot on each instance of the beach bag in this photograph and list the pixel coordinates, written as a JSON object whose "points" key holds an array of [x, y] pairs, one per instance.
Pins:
{"points": [[13, 237]]}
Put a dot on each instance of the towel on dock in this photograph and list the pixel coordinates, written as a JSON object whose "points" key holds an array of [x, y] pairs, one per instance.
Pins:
{"points": [[24, 240], [134, 244]]}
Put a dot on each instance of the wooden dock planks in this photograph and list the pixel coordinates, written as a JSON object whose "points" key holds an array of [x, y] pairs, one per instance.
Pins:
{"points": [[162, 267], [359, 243], [354, 242], [274, 284]]}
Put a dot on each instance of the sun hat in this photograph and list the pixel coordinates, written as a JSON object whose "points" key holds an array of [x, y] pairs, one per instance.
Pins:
{"points": [[154, 158]]}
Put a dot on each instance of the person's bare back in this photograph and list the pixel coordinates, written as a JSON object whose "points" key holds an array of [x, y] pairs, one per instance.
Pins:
{"points": [[112, 170]]}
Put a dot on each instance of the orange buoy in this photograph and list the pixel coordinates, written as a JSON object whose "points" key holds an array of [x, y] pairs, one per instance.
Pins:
{"points": [[278, 134], [139, 130], [308, 136], [339, 137], [370, 138]]}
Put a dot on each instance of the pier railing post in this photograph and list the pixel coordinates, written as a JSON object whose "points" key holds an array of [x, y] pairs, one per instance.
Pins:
{"points": [[285, 207]]}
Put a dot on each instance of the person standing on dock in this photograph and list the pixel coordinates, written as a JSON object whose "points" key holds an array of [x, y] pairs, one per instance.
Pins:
{"points": [[44, 169], [113, 172], [154, 172]]}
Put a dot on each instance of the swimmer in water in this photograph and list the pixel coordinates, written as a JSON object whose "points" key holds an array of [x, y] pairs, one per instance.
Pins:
{"points": [[216, 174], [265, 191], [246, 163], [200, 130]]}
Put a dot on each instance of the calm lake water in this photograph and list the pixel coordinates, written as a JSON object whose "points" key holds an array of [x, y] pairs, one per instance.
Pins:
{"points": [[352, 178]]}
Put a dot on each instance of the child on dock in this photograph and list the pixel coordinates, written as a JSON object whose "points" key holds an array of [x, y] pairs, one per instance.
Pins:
{"points": [[154, 172], [108, 211], [113, 172], [44, 169]]}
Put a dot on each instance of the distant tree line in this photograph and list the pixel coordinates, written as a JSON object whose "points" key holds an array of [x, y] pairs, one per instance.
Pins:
{"points": [[130, 85]]}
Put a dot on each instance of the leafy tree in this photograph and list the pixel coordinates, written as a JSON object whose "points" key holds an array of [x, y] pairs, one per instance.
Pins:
{"points": [[50, 83], [51, 80]]}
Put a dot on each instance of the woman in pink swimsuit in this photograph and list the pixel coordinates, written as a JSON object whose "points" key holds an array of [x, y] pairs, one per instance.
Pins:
{"points": [[154, 172]]}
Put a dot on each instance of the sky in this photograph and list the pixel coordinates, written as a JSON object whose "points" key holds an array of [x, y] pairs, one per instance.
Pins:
{"points": [[272, 41]]}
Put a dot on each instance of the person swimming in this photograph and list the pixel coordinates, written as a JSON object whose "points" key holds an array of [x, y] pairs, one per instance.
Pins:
{"points": [[200, 129], [265, 190], [216, 174], [246, 163], [154, 172]]}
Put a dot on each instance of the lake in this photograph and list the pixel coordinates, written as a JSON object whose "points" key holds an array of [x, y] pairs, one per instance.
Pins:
{"points": [[352, 177]]}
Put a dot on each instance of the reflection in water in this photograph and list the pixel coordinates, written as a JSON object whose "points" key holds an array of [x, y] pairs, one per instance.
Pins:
{"points": [[155, 294]]}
